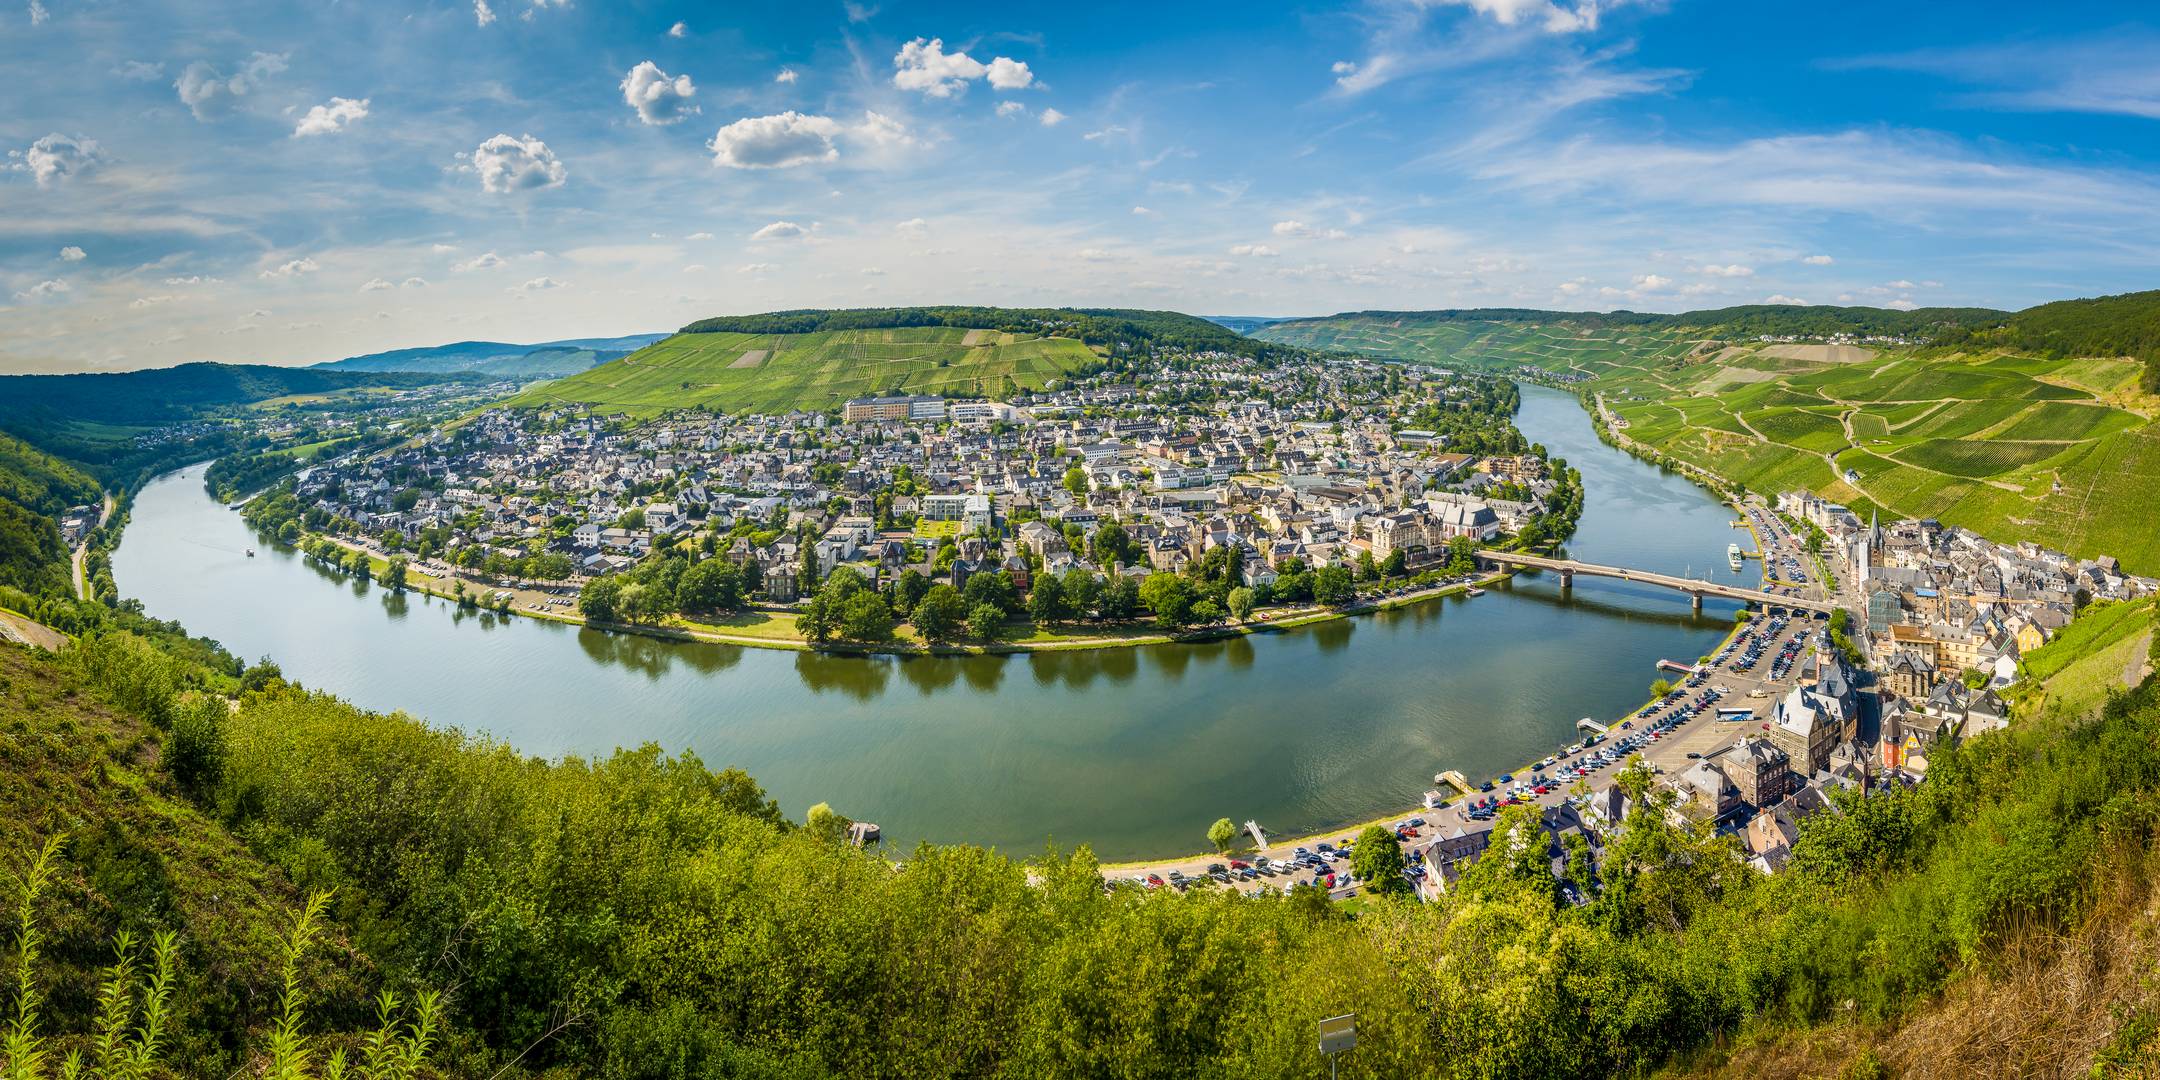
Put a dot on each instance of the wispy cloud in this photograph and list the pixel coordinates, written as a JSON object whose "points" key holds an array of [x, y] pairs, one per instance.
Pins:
{"points": [[2111, 75]]}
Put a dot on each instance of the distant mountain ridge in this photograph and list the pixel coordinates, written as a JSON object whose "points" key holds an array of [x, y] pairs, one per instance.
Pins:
{"points": [[547, 359]]}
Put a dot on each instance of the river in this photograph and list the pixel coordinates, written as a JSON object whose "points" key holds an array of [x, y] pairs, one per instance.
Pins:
{"points": [[1133, 751]]}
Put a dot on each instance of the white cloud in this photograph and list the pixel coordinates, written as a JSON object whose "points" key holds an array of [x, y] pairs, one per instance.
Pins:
{"points": [[785, 76], [699, 236], [482, 13], [924, 65], [872, 271], [38, 14], [694, 268], [1257, 251], [1303, 231], [1651, 283], [539, 284], [336, 116], [1818, 260], [376, 285], [880, 131], [1732, 270], [1008, 74], [1114, 129], [1900, 284], [679, 30], [780, 230], [44, 290], [192, 279], [414, 283], [1553, 17], [913, 228], [141, 302], [754, 269], [1051, 118], [780, 141], [1901, 304], [207, 91], [1781, 298], [71, 253], [57, 157], [442, 249], [140, 71], [507, 163], [1142, 211], [1011, 108], [1093, 255], [290, 268], [485, 261], [857, 13], [658, 99]]}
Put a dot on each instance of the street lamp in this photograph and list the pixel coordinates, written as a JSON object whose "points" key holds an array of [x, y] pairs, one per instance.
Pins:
{"points": [[1337, 1034]]}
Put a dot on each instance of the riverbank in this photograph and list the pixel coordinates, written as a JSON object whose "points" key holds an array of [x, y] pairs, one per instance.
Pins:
{"points": [[767, 629], [1338, 833]]}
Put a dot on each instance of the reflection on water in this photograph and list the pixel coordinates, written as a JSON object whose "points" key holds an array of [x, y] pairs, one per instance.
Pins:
{"points": [[1133, 751]]}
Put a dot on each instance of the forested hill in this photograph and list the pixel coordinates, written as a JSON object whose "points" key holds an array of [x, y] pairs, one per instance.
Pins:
{"points": [[90, 419], [1110, 328], [1750, 320], [2123, 325], [547, 359]]}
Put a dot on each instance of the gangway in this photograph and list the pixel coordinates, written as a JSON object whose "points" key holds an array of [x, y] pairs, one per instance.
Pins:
{"points": [[1592, 726], [1454, 779], [1259, 838]]}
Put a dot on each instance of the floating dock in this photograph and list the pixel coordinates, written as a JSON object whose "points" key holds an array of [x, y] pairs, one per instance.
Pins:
{"points": [[1454, 779], [1675, 665], [1592, 726]]}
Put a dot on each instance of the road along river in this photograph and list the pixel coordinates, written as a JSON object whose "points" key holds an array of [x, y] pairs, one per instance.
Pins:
{"points": [[1134, 751]]}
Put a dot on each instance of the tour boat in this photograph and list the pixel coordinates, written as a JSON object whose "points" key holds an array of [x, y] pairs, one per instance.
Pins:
{"points": [[1732, 555], [1475, 591], [251, 553]]}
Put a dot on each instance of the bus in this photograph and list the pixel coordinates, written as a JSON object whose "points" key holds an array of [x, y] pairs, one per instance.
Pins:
{"points": [[1736, 714]]}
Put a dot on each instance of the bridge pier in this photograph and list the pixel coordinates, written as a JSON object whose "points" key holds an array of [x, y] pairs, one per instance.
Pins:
{"points": [[1696, 599], [1567, 580]]}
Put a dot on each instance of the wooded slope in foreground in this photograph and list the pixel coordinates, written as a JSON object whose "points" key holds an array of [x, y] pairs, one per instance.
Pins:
{"points": [[646, 916]]}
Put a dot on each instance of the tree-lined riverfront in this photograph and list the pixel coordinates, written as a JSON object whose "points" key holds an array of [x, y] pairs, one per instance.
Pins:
{"points": [[1303, 729]]}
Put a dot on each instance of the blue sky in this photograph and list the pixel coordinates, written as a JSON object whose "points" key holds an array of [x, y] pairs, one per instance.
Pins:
{"points": [[296, 181]]}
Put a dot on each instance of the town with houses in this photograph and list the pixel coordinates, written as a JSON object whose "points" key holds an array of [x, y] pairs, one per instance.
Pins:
{"points": [[1947, 615], [1321, 463]]}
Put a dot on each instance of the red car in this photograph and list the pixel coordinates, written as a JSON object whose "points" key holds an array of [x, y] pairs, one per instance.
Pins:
{"points": [[1237, 864], [1155, 880]]}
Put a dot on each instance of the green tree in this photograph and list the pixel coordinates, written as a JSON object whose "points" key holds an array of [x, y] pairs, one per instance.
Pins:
{"points": [[866, 617], [994, 588], [1170, 597], [1046, 601], [710, 585], [1082, 590], [1331, 585], [986, 622], [822, 822], [397, 573], [1240, 602], [1660, 687], [1378, 861], [195, 749], [1076, 481], [940, 614], [1222, 834], [909, 590]]}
